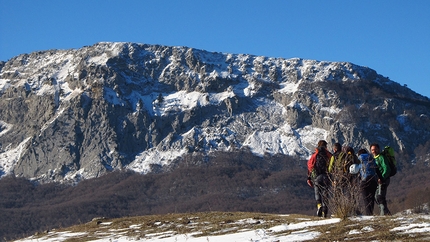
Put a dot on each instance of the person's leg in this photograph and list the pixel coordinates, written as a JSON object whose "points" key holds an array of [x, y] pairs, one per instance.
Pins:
{"points": [[381, 199], [317, 196], [366, 196], [325, 195], [317, 190], [318, 199], [369, 191], [372, 191], [320, 193]]}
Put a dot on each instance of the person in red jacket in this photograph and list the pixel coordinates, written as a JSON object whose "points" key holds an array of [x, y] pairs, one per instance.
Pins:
{"points": [[318, 178]]}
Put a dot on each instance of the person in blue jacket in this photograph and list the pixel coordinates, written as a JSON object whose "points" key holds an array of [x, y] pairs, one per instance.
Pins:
{"points": [[368, 180]]}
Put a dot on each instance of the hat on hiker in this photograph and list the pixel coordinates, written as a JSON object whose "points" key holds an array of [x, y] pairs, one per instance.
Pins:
{"points": [[322, 143]]}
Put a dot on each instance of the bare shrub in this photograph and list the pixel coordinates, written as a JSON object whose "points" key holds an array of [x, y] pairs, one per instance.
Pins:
{"points": [[344, 195]]}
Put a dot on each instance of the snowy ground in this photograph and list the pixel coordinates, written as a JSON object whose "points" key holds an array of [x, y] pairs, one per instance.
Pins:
{"points": [[221, 227]]}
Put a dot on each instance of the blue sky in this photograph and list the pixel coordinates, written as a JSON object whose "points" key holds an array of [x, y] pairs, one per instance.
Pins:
{"points": [[389, 36]]}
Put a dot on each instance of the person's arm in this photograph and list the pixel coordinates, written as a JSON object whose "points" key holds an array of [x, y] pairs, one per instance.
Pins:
{"points": [[330, 166], [329, 156], [311, 164]]}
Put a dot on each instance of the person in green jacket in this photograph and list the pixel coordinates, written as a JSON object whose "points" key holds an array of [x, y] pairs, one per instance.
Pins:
{"points": [[383, 173]]}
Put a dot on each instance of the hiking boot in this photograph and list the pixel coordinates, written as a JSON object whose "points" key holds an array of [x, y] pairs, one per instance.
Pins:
{"points": [[324, 211], [319, 210], [384, 210]]}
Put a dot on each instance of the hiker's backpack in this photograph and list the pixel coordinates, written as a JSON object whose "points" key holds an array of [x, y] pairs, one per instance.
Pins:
{"points": [[337, 162], [321, 162], [368, 166], [347, 158], [388, 154]]}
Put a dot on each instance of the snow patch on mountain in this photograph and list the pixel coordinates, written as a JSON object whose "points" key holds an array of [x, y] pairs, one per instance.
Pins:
{"points": [[5, 127], [4, 84], [144, 161], [182, 100], [10, 156], [287, 87]]}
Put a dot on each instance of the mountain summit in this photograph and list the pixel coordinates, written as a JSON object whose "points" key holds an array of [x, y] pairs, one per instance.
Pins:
{"points": [[67, 115]]}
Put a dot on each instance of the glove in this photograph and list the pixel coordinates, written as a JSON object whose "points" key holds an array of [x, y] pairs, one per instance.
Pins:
{"points": [[309, 181]]}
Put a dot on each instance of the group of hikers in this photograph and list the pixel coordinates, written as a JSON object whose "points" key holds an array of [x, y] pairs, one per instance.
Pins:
{"points": [[343, 170]]}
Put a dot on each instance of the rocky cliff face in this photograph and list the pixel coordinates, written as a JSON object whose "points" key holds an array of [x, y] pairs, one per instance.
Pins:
{"points": [[72, 114]]}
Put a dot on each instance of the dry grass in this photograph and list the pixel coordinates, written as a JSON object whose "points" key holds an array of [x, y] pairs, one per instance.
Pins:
{"points": [[369, 230], [219, 223], [198, 224]]}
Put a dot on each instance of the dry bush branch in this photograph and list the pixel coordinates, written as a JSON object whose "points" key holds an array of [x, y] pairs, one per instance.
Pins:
{"points": [[344, 195]]}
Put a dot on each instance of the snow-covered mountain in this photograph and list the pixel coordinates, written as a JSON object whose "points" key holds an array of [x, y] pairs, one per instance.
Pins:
{"points": [[67, 115]]}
